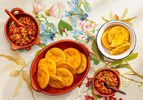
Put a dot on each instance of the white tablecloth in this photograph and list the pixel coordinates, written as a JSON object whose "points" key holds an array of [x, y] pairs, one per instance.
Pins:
{"points": [[99, 8]]}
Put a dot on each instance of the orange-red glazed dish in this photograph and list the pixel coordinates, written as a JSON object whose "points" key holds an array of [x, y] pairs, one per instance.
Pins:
{"points": [[102, 77], [78, 78], [22, 37]]}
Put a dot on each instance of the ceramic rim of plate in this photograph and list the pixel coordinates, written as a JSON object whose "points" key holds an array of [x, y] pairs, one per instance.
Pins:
{"points": [[103, 50]]}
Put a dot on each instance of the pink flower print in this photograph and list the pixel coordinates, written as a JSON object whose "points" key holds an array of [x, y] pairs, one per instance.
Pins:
{"points": [[36, 8], [81, 37], [55, 10], [87, 26]]}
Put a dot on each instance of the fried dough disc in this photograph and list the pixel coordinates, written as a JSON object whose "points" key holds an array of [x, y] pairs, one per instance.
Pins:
{"points": [[126, 33], [73, 57], [120, 49], [56, 82], [105, 41], [83, 64], [114, 30], [46, 63], [43, 78], [66, 75], [67, 66], [56, 54], [118, 39]]}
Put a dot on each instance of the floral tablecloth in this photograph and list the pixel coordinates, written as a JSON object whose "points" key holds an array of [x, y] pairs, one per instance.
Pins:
{"points": [[78, 20]]}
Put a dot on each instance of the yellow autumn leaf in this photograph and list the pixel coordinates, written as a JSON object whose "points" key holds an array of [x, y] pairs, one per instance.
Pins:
{"points": [[124, 14], [106, 20], [111, 15], [128, 19], [14, 73], [17, 88], [27, 81], [18, 61]]}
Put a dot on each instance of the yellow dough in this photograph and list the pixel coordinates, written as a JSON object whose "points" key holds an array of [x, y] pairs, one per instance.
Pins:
{"points": [[43, 78], [66, 75], [56, 54], [114, 30], [46, 63], [118, 39], [120, 49], [83, 64], [56, 82], [105, 41], [73, 57], [67, 66], [126, 33]]}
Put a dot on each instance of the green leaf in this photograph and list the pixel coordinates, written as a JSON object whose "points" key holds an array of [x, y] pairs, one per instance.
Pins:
{"points": [[115, 62], [38, 52], [90, 87], [93, 57], [48, 27], [62, 26], [42, 45], [131, 57], [96, 50], [95, 97], [122, 66], [37, 19]]}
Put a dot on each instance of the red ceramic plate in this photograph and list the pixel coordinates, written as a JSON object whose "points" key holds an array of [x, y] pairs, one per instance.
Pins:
{"points": [[62, 44]]}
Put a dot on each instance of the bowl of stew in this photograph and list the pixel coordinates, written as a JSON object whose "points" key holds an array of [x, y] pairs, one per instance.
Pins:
{"points": [[22, 37], [108, 76]]}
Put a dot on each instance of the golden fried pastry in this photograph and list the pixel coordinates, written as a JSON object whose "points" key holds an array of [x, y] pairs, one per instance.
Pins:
{"points": [[83, 64], [120, 49], [46, 63], [43, 78], [66, 75], [115, 38], [56, 81], [73, 57], [67, 66], [126, 33], [105, 41], [118, 39], [113, 31], [56, 54]]}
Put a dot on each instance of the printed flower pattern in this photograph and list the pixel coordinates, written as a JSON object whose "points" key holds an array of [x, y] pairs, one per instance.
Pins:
{"points": [[36, 8], [81, 29], [87, 26], [55, 10]]}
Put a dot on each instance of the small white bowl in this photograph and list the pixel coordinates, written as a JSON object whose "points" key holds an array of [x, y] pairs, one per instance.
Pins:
{"points": [[105, 51]]}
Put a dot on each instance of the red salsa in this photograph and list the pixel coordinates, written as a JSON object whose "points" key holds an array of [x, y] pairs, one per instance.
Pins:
{"points": [[22, 35], [108, 77]]}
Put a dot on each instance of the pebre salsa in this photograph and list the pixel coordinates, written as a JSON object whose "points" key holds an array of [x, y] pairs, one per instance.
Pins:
{"points": [[108, 77], [20, 35]]}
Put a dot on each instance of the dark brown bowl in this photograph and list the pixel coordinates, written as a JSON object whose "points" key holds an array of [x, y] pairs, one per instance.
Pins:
{"points": [[17, 12], [95, 91], [62, 44]]}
